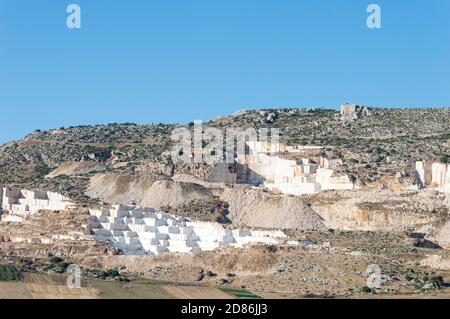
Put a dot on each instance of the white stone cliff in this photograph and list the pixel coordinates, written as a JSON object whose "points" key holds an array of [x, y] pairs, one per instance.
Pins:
{"points": [[435, 176], [26, 202], [136, 230], [286, 175], [143, 231]]}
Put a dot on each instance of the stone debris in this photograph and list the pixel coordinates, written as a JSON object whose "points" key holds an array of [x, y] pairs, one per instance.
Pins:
{"points": [[253, 207]]}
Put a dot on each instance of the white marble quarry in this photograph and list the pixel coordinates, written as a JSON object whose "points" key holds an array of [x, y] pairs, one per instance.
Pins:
{"points": [[136, 231], [139, 231], [287, 176], [434, 175], [440, 177], [26, 202]]}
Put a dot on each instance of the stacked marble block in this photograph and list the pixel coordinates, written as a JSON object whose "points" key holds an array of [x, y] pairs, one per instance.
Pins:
{"points": [[26, 202], [143, 231]]}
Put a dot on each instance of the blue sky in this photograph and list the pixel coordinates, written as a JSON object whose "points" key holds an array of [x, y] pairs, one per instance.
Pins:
{"points": [[149, 61]]}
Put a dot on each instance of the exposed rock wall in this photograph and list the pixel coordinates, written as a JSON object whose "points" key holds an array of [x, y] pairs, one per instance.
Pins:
{"points": [[386, 209], [264, 165], [350, 215], [21, 202], [143, 231], [441, 177], [434, 175]]}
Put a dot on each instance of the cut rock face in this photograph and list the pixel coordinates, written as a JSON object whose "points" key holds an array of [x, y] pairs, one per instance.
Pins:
{"points": [[26, 202], [143, 231], [262, 164]]}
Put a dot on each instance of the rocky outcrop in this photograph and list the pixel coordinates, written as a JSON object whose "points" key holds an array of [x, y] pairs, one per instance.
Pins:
{"points": [[352, 112], [262, 164], [350, 215], [385, 210], [25, 202]]}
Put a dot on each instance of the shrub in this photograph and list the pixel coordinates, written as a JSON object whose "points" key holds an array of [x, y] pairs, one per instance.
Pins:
{"points": [[55, 260], [113, 273], [41, 170], [367, 290], [9, 273]]}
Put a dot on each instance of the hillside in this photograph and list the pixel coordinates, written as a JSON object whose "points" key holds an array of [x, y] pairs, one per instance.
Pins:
{"points": [[381, 143], [333, 236]]}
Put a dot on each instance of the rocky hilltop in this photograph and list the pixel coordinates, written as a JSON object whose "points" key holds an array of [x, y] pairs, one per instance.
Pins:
{"points": [[372, 144]]}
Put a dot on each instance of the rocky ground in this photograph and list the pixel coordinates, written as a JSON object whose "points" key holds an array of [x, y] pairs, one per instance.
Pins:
{"points": [[340, 234], [332, 264]]}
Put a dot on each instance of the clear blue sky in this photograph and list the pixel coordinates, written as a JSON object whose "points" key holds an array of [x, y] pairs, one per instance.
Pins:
{"points": [[151, 61]]}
